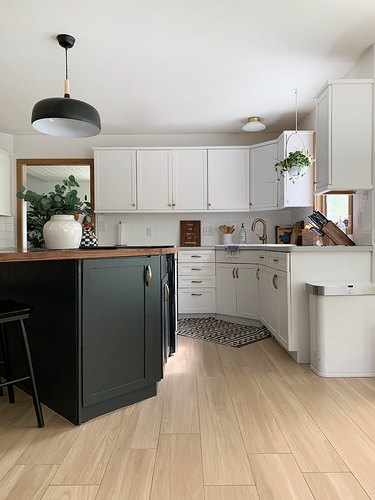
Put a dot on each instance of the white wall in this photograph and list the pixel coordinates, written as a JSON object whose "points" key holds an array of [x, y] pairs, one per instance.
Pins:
{"points": [[7, 224], [43, 146], [165, 228]]}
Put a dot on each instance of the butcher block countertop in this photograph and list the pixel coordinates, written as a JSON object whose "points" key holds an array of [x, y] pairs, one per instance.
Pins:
{"points": [[15, 255]]}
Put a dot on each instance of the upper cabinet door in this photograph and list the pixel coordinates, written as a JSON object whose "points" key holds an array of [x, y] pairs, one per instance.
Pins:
{"points": [[115, 178], [154, 180], [263, 177], [344, 136], [190, 179], [228, 179], [5, 183], [295, 192]]}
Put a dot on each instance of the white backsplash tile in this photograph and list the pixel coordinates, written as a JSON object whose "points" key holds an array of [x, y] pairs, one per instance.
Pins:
{"points": [[7, 232], [165, 228]]}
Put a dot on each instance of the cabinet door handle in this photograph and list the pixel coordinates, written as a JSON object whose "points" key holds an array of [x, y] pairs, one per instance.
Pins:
{"points": [[196, 269], [196, 281], [196, 256], [196, 294], [274, 281], [173, 204], [166, 294], [169, 204], [257, 274], [234, 273], [148, 276], [237, 272]]}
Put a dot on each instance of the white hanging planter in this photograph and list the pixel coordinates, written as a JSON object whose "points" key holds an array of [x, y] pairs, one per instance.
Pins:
{"points": [[297, 172], [62, 232]]}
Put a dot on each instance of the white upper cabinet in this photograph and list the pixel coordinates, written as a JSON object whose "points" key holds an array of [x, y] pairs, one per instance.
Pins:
{"points": [[154, 179], [115, 180], [344, 136], [297, 193], [228, 179], [263, 177], [5, 183], [189, 179], [172, 180]]}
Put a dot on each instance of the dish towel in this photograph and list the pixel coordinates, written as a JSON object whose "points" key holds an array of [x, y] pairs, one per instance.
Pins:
{"points": [[232, 251]]}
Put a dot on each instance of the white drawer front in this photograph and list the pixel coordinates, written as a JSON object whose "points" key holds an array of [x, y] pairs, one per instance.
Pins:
{"points": [[196, 256], [244, 257], [196, 282], [262, 256], [196, 301], [197, 269], [278, 260]]}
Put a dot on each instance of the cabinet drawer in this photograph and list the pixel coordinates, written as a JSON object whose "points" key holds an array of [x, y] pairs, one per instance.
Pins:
{"points": [[244, 257], [196, 282], [196, 301], [196, 256], [197, 269], [278, 260]]}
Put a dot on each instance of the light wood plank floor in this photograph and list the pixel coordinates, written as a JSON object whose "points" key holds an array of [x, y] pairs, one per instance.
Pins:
{"points": [[227, 424]]}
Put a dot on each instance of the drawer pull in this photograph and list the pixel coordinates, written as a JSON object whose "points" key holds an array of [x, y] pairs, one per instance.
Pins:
{"points": [[275, 260], [274, 281], [196, 269], [196, 256], [196, 294], [261, 256], [196, 281]]}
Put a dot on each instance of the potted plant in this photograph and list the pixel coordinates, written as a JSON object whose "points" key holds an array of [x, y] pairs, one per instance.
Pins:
{"points": [[295, 165], [51, 217]]}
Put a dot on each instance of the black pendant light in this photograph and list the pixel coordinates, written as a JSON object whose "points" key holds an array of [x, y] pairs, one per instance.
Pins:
{"points": [[63, 116]]}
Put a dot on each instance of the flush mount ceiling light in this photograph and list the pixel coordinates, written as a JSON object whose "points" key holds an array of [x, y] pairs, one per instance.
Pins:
{"points": [[63, 116], [253, 124]]}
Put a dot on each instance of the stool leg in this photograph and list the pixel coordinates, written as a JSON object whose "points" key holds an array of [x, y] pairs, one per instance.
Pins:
{"points": [[7, 367], [2, 357], [37, 406]]}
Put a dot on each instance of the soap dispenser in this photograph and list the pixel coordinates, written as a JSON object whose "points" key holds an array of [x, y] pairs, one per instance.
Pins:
{"points": [[242, 235]]}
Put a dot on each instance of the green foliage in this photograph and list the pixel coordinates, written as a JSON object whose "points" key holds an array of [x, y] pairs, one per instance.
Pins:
{"points": [[62, 201], [300, 159]]}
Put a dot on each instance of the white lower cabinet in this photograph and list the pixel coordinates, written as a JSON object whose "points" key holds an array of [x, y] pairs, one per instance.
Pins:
{"points": [[196, 282], [237, 290], [278, 305], [263, 295]]}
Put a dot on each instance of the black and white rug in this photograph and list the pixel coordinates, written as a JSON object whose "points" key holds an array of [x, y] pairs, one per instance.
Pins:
{"points": [[222, 332]]}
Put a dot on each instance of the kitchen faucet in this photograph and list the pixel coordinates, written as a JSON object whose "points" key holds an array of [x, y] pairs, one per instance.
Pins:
{"points": [[262, 238]]}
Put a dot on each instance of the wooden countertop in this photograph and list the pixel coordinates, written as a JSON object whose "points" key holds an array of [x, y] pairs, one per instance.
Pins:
{"points": [[19, 255]]}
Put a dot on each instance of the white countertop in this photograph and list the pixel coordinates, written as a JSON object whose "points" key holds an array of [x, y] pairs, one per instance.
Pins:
{"points": [[288, 248]]}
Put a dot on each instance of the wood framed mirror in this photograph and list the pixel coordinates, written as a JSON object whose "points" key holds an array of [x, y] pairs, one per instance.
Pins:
{"points": [[71, 164]]}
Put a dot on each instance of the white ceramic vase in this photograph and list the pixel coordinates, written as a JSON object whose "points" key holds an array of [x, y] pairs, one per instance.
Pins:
{"points": [[62, 232]]}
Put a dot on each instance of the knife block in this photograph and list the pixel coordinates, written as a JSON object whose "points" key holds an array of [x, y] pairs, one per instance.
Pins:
{"points": [[335, 234]]}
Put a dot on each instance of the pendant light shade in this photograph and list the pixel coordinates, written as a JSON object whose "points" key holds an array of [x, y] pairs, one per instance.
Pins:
{"points": [[253, 125], [63, 116]]}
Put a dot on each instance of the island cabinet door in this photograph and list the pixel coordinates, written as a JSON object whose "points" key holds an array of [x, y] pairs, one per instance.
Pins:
{"points": [[121, 327]]}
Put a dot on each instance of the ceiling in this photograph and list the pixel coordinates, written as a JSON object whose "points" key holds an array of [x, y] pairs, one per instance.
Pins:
{"points": [[178, 66]]}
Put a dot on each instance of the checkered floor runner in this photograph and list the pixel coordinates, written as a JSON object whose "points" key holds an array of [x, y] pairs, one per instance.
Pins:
{"points": [[221, 332]]}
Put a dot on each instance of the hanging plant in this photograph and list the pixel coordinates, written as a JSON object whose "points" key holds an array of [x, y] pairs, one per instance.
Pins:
{"points": [[295, 164]]}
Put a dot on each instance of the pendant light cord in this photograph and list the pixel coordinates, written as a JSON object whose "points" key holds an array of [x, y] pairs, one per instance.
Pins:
{"points": [[295, 93], [67, 83]]}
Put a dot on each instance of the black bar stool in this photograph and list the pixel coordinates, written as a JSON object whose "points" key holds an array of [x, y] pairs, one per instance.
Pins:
{"points": [[14, 311]]}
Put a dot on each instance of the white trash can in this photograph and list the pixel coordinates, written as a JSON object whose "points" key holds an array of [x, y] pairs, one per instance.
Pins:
{"points": [[342, 329]]}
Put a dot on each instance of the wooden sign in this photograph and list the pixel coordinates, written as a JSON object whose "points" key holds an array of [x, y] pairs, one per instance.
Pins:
{"points": [[190, 233]]}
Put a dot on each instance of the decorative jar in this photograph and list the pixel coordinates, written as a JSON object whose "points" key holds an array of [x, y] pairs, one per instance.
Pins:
{"points": [[62, 232]]}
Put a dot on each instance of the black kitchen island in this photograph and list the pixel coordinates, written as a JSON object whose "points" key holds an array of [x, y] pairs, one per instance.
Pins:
{"points": [[97, 331]]}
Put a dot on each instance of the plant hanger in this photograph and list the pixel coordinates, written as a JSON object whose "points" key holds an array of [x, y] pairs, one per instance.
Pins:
{"points": [[296, 162]]}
